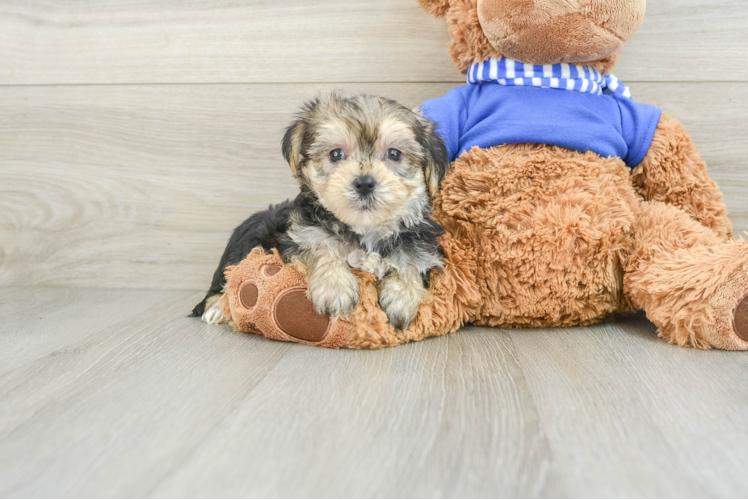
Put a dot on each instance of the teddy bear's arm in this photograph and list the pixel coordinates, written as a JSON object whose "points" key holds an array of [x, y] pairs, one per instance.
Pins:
{"points": [[674, 173]]}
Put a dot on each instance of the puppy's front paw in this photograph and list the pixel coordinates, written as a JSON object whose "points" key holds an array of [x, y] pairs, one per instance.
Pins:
{"points": [[399, 297], [213, 314], [334, 296]]}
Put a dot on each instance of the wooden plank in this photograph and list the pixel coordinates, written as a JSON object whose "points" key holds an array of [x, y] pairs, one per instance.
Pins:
{"points": [[141, 41], [140, 186], [627, 415]]}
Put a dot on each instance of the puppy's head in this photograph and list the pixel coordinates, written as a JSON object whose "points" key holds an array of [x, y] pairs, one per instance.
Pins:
{"points": [[370, 161]]}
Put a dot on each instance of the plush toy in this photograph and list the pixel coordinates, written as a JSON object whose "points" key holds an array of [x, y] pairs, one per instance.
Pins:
{"points": [[566, 201]]}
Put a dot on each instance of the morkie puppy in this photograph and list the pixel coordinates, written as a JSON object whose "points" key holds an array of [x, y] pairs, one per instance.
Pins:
{"points": [[368, 169]]}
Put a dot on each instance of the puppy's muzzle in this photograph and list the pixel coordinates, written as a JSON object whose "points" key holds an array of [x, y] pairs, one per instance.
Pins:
{"points": [[364, 185]]}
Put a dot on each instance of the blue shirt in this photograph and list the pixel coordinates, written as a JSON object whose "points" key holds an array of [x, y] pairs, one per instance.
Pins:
{"points": [[491, 114]]}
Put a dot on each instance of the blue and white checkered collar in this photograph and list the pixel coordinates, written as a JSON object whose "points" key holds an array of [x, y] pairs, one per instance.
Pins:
{"points": [[563, 76]]}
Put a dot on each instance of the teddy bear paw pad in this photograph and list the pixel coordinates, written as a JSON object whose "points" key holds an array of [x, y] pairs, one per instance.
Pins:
{"points": [[248, 294], [740, 319], [271, 270], [295, 316]]}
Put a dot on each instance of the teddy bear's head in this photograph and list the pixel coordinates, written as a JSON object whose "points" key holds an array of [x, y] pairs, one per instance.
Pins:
{"points": [[590, 32]]}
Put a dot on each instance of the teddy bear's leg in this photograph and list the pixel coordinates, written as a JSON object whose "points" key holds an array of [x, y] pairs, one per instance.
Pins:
{"points": [[267, 297], [692, 284], [674, 173]]}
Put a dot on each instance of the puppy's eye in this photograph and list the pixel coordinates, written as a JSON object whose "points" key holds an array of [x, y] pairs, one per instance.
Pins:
{"points": [[394, 155], [337, 155]]}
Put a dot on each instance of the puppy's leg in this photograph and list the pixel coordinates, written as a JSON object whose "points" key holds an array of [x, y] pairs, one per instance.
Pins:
{"points": [[400, 294], [213, 314], [333, 289]]}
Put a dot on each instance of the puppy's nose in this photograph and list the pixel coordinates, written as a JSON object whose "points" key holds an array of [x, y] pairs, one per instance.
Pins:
{"points": [[364, 184]]}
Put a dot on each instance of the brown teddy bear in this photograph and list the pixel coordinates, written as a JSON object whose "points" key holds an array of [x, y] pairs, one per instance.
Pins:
{"points": [[566, 200]]}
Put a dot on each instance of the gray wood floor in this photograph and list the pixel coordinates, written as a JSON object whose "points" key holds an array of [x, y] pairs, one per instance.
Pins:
{"points": [[117, 393]]}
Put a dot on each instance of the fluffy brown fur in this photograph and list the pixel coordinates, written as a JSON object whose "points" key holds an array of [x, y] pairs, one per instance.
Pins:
{"points": [[540, 236], [550, 228], [674, 173]]}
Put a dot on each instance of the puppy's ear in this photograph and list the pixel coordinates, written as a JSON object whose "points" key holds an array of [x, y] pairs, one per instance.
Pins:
{"points": [[436, 157], [291, 144], [438, 8]]}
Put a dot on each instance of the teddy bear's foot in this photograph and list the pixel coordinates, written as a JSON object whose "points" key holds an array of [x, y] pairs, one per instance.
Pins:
{"points": [[691, 283], [698, 297], [292, 311], [717, 321], [740, 318], [266, 297], [729, 307]]}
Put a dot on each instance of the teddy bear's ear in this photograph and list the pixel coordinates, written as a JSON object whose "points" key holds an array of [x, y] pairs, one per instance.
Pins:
{"points": [[438, 8]]}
